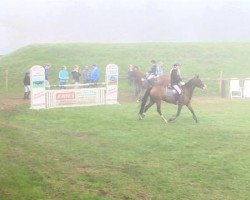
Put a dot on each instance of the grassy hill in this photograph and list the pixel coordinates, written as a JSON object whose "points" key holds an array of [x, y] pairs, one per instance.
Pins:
{"points": [[206, 59]]}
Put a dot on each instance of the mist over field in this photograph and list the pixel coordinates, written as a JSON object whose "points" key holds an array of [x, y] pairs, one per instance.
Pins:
{"points": [[49, 21]]}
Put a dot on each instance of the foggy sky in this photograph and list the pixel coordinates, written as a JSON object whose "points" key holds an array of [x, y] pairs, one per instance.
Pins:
{"points": [[24, 22]]}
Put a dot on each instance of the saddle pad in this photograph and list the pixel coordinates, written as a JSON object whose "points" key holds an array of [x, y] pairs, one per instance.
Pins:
{"points": [[170, 92]]}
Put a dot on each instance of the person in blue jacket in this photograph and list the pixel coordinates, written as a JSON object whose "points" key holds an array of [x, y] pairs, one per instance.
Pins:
{"points": [[95, 74], [63, 77]]}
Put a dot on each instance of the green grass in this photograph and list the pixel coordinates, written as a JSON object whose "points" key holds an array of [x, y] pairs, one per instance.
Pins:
{"points": [[206, 59], [105, 152]]}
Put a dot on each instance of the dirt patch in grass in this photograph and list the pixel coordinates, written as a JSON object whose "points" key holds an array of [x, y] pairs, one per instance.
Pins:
{"points": [[104, 192], [88, 170], [10, 104], [127, 98], [143, 196]]}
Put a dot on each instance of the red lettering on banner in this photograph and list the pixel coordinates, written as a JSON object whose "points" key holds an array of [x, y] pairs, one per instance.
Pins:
{"points": [[112, 91], [62, 96]]}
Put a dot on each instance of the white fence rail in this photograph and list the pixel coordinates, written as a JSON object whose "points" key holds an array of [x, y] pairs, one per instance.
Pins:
{"points": [[43, 96]]}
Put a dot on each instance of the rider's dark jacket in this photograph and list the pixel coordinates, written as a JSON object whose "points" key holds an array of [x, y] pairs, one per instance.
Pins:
{"points": [[153, 70], [26, 80], [175, 77]]}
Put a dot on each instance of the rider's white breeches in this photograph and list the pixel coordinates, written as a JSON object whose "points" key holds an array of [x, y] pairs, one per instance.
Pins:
{"points": [[27, 88], [177, 88], [151, 76]]}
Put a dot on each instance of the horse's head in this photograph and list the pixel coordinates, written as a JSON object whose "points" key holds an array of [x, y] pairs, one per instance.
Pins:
{"points": [[196, 81], [137, 73]]}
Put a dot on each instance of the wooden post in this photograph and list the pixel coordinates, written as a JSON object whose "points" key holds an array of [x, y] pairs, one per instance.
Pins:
{"points": [[220, 81], [6, 80], [223, 91]]}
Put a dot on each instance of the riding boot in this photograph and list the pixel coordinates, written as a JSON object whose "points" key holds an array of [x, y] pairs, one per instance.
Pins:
{"points": [[28, 95], [25, 95], [178, 98], [151, 82]]}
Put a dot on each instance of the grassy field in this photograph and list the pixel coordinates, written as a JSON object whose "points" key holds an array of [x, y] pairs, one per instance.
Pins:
{"points": [[206, 59], [105, 152]]}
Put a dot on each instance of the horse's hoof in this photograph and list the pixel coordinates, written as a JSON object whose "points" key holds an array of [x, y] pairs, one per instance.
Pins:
{"points": [[171, 119], [196, 120], [141, 116]]}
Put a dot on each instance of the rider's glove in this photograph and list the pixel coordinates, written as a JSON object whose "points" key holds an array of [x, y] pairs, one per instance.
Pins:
{"points": [[181, 83]]}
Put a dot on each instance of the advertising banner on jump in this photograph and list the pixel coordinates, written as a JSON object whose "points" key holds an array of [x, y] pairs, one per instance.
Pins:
{"points": [[37, 84], [76, 97], [112, 84]]}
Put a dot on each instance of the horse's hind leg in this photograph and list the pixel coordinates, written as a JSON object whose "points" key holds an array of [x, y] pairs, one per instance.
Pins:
{"points": [[159, 111], [151, 102]]}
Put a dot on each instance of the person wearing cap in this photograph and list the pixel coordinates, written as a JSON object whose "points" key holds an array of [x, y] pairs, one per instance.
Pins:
{"points": [[130, 74], [95, 74], [152, 73], [26, 82], [160, 69], [176, 81]]}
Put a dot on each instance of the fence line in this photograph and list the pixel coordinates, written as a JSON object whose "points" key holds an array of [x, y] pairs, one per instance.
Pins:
{"points": [[221, 82]]}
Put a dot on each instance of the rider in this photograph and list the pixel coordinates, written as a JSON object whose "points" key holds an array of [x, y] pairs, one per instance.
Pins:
{"points": [[152, 73], [176, 81]]}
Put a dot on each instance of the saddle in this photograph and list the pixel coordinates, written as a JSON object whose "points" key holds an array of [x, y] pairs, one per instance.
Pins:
{"points": [[171, 92]]}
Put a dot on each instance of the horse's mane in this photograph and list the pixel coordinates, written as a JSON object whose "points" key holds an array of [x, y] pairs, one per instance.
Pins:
{"points": [[189, 84]]}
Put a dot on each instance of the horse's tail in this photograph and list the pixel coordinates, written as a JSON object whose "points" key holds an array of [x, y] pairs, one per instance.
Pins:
{"points": [[144, 100]]}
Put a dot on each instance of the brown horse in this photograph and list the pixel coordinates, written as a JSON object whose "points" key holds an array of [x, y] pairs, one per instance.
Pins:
{"points": [[159, 92], [141, 82]]}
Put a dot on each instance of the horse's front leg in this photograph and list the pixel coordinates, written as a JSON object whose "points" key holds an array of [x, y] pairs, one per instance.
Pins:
{"points": [[158, 104], [177, 114], [192, 111]]}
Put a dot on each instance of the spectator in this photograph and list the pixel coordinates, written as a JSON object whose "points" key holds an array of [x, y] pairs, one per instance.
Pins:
{"points": [[137, 82], [76, 75], [86, 75], [46, 71], [26, 82], [160, 69], [63, 77], [130, 74], [95, 74]]}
